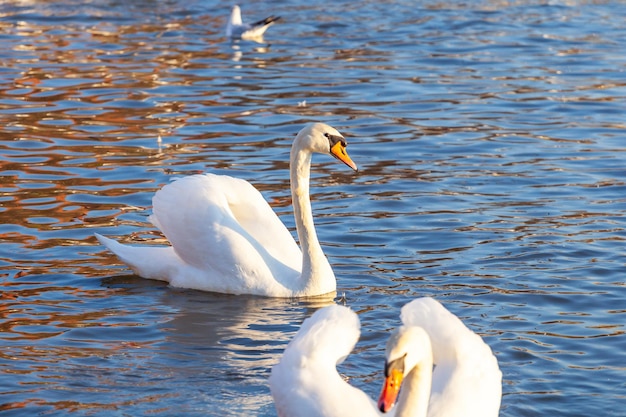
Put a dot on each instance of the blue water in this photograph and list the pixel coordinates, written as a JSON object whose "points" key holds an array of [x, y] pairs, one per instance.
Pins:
{"points": [[490, 141]]}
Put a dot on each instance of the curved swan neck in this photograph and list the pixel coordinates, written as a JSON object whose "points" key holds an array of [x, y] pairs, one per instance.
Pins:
{"points": [[416, 386], [413, 401], [415, 393], [317, 275]]}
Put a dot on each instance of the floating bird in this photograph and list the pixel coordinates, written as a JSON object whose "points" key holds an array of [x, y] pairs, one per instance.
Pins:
{"points": [[226, 238], [236, 29], [466, 380]]}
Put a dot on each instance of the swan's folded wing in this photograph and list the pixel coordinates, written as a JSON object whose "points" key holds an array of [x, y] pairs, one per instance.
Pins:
{"points": [[216, 221], [305, 383], [467, 375], [328, 336]]}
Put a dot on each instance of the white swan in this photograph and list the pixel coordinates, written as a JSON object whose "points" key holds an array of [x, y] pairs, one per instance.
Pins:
{"points": [[226, 238], [235, 28], [466, 380]]}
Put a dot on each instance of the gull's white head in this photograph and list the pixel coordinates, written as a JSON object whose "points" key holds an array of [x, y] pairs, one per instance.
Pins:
{"points": [[235, 16]]}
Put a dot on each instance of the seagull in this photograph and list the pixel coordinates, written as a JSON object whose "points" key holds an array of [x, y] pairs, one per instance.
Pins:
{"points": [[236, 29]]}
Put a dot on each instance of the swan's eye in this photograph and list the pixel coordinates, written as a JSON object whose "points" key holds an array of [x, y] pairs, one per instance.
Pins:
{"points": [[395, 365], [333, 139]]}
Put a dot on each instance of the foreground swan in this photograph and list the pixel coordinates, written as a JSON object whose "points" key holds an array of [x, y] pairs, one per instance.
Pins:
{"points": [[235, 28], [466, 381], [226, 238]]}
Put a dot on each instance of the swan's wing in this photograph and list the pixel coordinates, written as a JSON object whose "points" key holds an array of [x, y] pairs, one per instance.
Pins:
{"points": [[467, 380], [306, 383], [223, 224], [328, 336]]}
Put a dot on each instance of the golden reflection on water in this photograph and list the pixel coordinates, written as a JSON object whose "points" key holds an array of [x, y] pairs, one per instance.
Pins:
{"points": [[482, 183]]}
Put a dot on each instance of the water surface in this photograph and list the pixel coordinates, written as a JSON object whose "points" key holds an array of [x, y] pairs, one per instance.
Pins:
{"points": [[489, 137]]}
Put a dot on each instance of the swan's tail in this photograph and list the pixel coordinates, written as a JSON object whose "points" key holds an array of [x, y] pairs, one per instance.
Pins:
{"points": [[146, 261]]}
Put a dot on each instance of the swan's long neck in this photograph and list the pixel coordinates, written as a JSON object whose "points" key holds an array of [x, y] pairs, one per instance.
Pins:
{"points": [[317, 275], [415, 392]]}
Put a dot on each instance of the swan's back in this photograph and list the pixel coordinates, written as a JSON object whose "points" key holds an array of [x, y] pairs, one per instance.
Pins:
{"points": [[305, 383], [192, 210], [467, 380], [223, 228]]}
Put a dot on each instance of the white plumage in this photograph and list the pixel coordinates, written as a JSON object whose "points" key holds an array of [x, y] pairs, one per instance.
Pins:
{"points": [[235, 28], [466, 381], [226, 238]]}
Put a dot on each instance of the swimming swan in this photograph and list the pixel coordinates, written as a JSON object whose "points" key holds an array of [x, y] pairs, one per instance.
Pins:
{"points": [[226, 238], [466, 381]]}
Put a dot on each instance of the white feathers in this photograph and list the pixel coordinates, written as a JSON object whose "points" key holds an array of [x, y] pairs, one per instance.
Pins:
{"points": [[305, 383], [236, 29], [226, 238]]}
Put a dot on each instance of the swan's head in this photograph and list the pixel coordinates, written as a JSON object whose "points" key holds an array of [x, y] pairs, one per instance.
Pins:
{"points": [[322, 138], [408, 349]]}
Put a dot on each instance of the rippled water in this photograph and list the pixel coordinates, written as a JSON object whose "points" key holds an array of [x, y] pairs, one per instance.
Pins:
{"points": [[490, 137]]}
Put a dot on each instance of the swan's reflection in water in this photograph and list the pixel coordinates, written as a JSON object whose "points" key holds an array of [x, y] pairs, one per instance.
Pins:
{"points": [[217, 350]]}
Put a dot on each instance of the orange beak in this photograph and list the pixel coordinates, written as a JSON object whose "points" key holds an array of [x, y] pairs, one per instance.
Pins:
{"points": [[391, 388], [338, 150]]}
